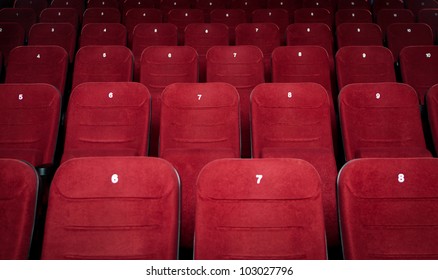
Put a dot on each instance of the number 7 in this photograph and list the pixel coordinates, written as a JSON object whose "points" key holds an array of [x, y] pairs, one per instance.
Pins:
{"points": [[259, 178]]}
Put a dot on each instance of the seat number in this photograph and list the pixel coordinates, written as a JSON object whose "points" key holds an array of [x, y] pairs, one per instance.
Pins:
{"points": [[259, 178]]}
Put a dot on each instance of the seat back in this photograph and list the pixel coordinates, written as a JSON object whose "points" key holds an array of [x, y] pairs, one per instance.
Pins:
{"points": [[229, 17], [353, 16], [101, 15], [183, 17], [432, 112], [140, 15], [115, 208], [103, 34], [230, 225], [11, 36], [61, 15], [19, 185], [26, 17], [382, 206], [359, 34], [386, 17], [29, 115]]}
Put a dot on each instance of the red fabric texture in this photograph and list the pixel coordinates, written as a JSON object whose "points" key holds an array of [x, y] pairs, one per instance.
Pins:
{"points": [[101, 15], [419, 68], [278, 16], [199, 123], [38, 64], [18, 198], [160, 67], [36, 5], [58, 34], [364, 64], [359, 34], [264, 35], [103, 4], [135, 4], [113, 208], [60, 15], [229, 17], [381, 120], [140, 15], [400, 35], [26, 17], [242, 67], [107, 119], [103, 34], [416, 6], [78, 5], [354, 4], [207, 6], [148, 35], [353, 16], [314, 15], [430, 17], [12, 35], [293, 121], [329, 5], [388, 208], [29, 120], [385, 17], [387, 4], [259, 209], [432, 111], [290, 6], [183, 17], [203, 36], [103, 64]]}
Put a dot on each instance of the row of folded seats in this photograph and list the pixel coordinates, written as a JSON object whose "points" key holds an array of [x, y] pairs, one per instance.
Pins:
{"points": [[244, 67], [129, 208], [200, 123]]}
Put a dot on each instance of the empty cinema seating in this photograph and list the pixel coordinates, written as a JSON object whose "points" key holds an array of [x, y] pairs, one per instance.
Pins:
{"points": [[325, 81]]}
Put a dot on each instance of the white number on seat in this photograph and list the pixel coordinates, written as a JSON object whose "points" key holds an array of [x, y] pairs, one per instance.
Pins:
{"points": [[289, 94], [20, 96], [114, 178], [401, 178], [377, 95], [428, 55], [234, 55], [259, 178], [199, 96], [110, 95]]}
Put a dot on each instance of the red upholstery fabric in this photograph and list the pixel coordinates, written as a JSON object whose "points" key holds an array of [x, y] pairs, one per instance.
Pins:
{"points": [[29, 120], [354, 4], [419, 68], [36, 5], [386, 17], [107, 119], [103, 64], [167, 5], [78, 5], [293, 120], [58, 34], [242, 67], [103, 34], [329, 5], [160, 67], [18, 198], [11, 36], [359, 34], [314, 15], [265, 36], [113, 208], [432, 111], [364, 64], [199, 123], [430, 17], [209, 5], [318, 34], [203, 36], [417, 5], [353, 16], [381, 120], [248, 6], [229, 17], [26, 17], [38, 64], [151, 34], [103, 4], [248, 209], [183, 17], [388, 208], [400, 35], [137, 16], [386, 4], [290, 6], [136, 4], [101, 15], [278, 16], [62, 15]]}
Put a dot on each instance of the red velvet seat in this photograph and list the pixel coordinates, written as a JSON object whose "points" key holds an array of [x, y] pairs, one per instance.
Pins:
{"points": [[329, 5], [135, 4], [249, 6], [11, 36], [60, 15], [183, 17], [103, 4], [29, 121], [353, 16], [354, 4], [103, 34], [38, 64], [26, 17], [386, 17], [248, 209], [359, 34], [292, 120], [203, 36], [101, 15], [242, 67], [314, 15], [113, 208], [381, 120], [140, 15], [199, 123], [209, 5], [388, 208], [167, 5], [161, 66], [278, 16], [78, 5], [36, 5], [386, 4], [432, 111], [430, 17], [419, 68], [103, 64], [19, 185], [417, 5], [229, 17], [364, 64], [58, 34], [107, 119]]}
